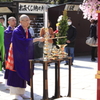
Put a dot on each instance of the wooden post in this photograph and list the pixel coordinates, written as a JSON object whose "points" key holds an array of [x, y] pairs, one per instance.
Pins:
{"points": [[31, 79]]}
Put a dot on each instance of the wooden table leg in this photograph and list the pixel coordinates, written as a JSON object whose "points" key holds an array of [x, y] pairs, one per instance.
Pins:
{"points": [[45, 81], [57, 80], [58, 76], [31, 79], [55, 95], [69, 80]]}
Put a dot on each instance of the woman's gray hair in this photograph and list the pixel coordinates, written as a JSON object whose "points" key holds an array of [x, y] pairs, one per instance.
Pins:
{"points": [[22, 17]]}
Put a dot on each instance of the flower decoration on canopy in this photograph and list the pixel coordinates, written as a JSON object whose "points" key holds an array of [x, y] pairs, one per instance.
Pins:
{"points": [[89, 8]]}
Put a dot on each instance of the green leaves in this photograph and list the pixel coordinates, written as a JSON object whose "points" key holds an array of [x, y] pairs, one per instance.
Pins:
{"points": [[63, 27]]}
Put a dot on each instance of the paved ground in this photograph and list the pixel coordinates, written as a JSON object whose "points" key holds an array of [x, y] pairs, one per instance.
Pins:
{"points": [[83, 81]]}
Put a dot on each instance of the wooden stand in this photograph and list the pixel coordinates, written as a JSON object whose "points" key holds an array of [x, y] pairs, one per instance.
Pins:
{"points": [[45, 78]]}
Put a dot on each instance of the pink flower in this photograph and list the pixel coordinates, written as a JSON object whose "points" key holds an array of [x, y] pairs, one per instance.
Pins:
{"points": [[89, 8]]}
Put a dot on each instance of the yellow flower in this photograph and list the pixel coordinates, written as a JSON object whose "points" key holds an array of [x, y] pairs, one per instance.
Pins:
{"points": [[57, 24]]}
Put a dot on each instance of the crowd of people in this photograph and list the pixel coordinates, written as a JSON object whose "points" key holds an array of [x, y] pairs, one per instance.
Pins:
{"points": [[18, 50], [18, 44]]}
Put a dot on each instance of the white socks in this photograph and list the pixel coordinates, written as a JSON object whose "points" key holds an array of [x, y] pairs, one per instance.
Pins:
{"points": [[25, 96], [17, 97]]}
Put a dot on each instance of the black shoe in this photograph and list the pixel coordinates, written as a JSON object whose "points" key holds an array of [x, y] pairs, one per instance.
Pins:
{"points": [[93, 59], [48, 64], [66, 64]]}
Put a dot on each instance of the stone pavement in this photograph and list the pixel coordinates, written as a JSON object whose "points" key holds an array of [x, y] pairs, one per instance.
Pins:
{"points": [[83, 81]]}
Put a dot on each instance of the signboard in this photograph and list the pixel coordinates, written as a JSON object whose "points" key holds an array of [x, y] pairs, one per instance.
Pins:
{"points": [[31, 8], [72, 7]]}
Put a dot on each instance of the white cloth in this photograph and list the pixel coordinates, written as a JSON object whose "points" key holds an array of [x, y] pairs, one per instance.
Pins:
{"points": [[16, 90], [7, 87], [31, 31]]}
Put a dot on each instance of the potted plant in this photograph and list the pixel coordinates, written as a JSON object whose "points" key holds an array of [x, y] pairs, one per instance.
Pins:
{"points": [[61, 28]]}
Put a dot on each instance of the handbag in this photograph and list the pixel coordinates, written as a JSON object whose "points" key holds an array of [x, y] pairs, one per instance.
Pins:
{"points": [[91, 41]]}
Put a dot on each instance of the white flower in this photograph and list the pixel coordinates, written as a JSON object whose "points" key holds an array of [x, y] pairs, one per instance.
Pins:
{"points": [[60, 18]]}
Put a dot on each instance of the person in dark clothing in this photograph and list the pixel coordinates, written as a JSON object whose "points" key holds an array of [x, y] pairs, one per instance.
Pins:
{"points": [[7, 40], [71, 36], [20, 51], [93, 33]]}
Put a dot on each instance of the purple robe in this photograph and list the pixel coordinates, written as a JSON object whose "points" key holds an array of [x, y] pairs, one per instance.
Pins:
{"points": [[22, 52], [7, 41]]}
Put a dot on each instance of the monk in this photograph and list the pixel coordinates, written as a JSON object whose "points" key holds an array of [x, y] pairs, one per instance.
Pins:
{"points": [[7, 41], [20, 51]]}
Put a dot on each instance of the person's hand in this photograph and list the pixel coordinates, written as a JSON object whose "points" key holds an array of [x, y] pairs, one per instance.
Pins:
{"points": [[68, 41], [41, 39]]}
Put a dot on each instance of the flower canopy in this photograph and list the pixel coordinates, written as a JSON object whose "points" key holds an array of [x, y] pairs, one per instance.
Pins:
{"points": [[89, 8]]}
